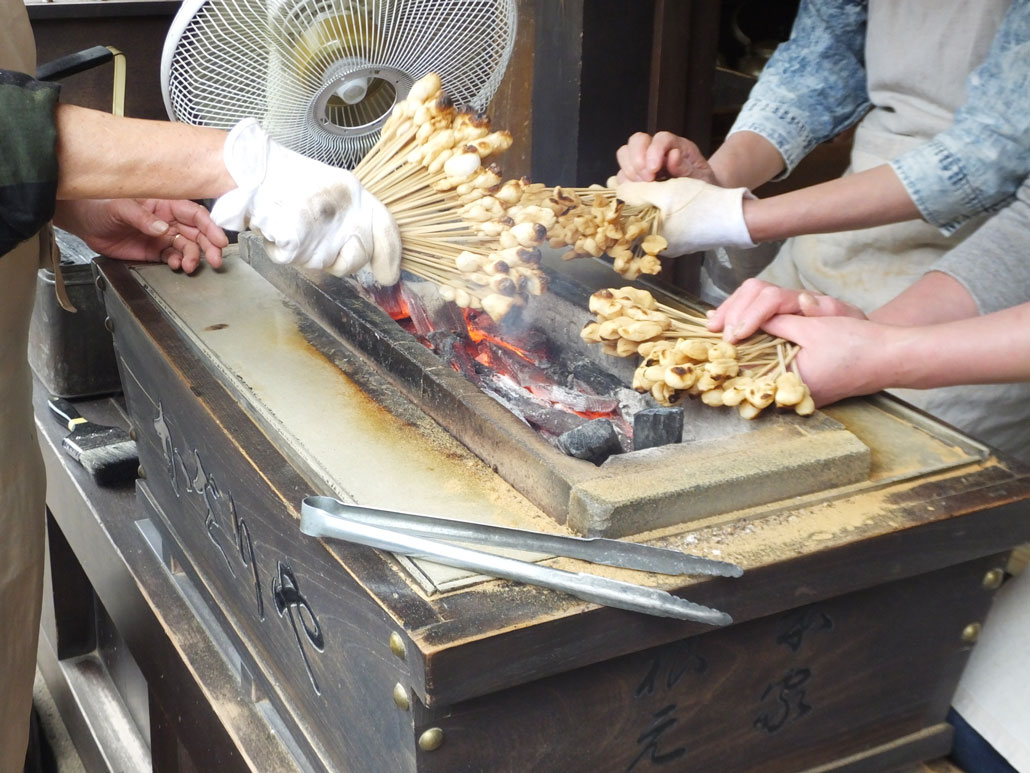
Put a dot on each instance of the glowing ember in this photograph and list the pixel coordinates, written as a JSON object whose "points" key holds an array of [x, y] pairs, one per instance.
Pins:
{"points": [[477, 331], [514, 365], [392, 300]]}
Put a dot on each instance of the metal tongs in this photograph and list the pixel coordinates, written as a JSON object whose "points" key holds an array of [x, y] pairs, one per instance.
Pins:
{"points": [[426, 537]]}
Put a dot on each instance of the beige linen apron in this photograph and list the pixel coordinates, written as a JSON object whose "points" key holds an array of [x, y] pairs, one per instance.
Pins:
{"points": [[22, 487], [916, 90], [867, 267]]}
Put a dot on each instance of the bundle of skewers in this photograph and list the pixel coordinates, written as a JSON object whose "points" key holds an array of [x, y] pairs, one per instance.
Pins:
{"points": [[476, 235], [681, 357], [598, 223], [426, 167]]}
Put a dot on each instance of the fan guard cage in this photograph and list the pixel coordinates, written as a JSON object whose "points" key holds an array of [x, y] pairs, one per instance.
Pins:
{"points": [[323, 75]]}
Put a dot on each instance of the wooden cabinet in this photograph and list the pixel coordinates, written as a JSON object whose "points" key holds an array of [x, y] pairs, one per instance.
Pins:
{"points": [[853, 619]]}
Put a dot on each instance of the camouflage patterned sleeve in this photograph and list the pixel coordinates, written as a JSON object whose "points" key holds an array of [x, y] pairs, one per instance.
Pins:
{"points": [[28, 160]]}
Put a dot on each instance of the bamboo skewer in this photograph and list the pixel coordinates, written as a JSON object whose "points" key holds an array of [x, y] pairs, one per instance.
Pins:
{"points": [[410, 171], [476, 235], [682, 357], [430, 169]]}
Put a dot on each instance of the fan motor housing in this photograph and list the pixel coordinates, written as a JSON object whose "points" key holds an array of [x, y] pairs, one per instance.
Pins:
{"points": [[380, 88]]}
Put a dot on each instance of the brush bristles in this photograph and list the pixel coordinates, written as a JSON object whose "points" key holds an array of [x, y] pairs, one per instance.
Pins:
{"points": [[111, 465]]}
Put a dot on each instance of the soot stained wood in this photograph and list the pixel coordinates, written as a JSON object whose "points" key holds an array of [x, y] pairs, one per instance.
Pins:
{"points": [[74, 615], [757, 696], [279, 592], [518, 677], [532, 632]]}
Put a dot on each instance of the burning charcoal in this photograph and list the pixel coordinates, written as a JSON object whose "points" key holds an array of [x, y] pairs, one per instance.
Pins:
{"points": [[550, 421], [594, 441], [571, 400], [428, 310], [631, 402], [540, 414], [389, 299], [446, 316], [417, 310], [522, 370], [531, 343], [594, 377], [657, 427], [451, 349]]}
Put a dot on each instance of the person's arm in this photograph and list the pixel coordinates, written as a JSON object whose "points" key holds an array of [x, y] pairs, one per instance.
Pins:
{"points": [[977, 164], [177, 232], [44, 141], [811, 89], [931, 335], [745, 160], [935, 298], [989, 271], [101, 156], [974, 166], [645, 158], [993, 264], [28, 170], [842, 356], [125, 185], [697, 216], [118, 177], [870, 198]]}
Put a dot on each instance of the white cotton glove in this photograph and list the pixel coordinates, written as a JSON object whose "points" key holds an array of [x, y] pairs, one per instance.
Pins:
{"points": [[308, 213], [696, 215]]}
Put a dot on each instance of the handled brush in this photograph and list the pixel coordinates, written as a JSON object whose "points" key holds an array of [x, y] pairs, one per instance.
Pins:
{"points": [[108, 454]]}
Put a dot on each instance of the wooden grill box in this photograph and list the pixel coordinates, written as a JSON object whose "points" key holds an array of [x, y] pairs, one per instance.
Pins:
{"points": [[855, 615]]}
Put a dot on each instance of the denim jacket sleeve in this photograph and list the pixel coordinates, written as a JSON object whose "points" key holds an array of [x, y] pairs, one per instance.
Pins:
{"points": [[28, 161], [814, 86], [978, 163]]}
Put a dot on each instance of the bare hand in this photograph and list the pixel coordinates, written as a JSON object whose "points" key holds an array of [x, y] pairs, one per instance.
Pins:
{"points": [[175, 232], [645, 158], [840, 356], [756, 302]]}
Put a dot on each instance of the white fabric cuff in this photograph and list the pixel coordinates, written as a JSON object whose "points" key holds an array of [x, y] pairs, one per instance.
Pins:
{"points": [[741, 237], [713, 217], [245, 154]]}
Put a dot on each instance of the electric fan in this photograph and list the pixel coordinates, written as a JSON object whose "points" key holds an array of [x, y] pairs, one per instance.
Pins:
{"points": [[323, 75]]}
